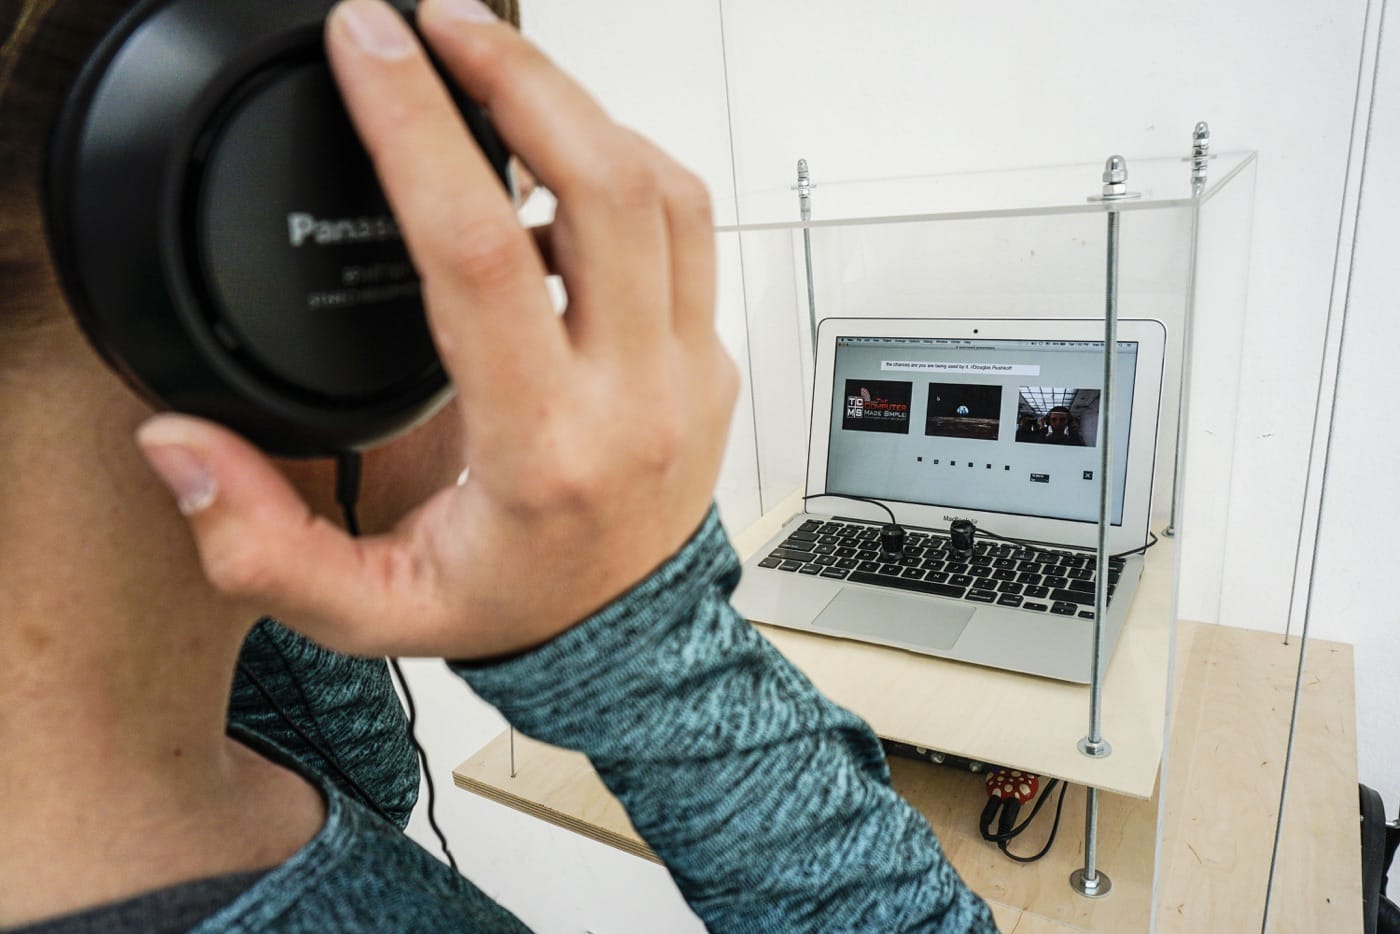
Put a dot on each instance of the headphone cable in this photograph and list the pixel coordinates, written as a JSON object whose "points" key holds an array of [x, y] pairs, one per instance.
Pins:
{"points": [[347, 492], [423, 757]]}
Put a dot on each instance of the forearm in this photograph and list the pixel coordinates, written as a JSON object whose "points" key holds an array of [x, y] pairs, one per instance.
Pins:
{"points": [[770, 805]]}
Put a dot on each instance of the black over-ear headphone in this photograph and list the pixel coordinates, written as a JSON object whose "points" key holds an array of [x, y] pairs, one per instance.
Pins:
{"points": [[221, 235]]}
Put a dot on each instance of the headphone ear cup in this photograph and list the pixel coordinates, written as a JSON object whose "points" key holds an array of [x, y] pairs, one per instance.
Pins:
{"points": [[223, 239]]}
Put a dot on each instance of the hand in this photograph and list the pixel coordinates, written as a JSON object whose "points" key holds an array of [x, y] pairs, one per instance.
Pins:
{"points": [[593, 438]]}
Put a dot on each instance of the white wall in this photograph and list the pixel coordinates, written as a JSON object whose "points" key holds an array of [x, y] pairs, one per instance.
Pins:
{"points": [[905, 88], [1352, 598]]}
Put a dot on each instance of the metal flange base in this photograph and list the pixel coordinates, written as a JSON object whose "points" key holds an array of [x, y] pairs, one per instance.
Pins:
{"points": [[1101, 885]]}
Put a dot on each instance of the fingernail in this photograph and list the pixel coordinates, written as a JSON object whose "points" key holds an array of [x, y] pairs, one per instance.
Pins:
{"points": [[185, 474], [471, 11], [375, 28]]}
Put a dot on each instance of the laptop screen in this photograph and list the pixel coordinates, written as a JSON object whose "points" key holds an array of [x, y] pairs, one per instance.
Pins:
{"points": [[1008, 426]]}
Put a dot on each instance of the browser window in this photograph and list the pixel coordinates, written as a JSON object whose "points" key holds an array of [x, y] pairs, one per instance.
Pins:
{"points": [[1007, 426]]}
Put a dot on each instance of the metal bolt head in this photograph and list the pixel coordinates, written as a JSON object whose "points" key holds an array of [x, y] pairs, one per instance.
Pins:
{"points": [[1115, 177], [1201, 135], [1095, 750]]}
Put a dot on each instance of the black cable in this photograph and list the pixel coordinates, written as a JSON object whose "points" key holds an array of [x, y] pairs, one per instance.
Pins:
{"points": [[347, 492], [1054, 828], [347, 488], [423, 757], [1138, 551], [1039, 803], [859, 499], [1001, 538], [1014, 832], [1004, 811], [321, 750], [1029, 544]]}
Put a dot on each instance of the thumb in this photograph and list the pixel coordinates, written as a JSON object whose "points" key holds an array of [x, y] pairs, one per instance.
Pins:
{"points": [[257, 537]]}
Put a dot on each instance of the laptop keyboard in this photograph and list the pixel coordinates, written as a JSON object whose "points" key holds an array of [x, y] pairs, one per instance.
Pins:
{"points": [[1034, 578]]}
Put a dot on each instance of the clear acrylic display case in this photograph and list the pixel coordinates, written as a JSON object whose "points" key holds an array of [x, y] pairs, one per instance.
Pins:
{"points": [[1035, 244]]}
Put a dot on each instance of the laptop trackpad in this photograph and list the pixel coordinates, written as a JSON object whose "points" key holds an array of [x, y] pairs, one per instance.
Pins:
{"points": [[893, 617]]}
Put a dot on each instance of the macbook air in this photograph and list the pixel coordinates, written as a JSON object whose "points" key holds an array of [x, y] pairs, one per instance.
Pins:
{"points": [[999, 422]]}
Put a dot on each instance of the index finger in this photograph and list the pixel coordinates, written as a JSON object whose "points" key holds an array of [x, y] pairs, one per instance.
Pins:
{"points": [[617, 268], [483, 281]]}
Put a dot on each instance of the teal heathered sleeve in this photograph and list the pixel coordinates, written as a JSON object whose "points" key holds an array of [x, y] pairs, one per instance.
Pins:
{"points": [[770, 805], [345, 704]]}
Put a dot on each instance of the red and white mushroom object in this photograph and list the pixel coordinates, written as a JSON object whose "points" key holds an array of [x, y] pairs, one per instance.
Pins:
{"points": [[1012, 783]]}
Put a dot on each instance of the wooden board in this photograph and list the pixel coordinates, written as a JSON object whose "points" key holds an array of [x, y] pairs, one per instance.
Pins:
{"points": [[1225, 772], [1319, 874]]}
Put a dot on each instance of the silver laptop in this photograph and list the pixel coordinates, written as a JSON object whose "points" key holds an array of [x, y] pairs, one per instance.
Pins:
{"points": [[992, 421]]}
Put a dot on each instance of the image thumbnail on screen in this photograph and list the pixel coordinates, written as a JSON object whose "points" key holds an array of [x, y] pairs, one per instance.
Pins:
{"points": [[877, 405], [1058, 415], [960, 410]]}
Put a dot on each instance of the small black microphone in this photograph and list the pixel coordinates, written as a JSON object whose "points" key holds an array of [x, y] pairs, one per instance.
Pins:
{"points": [[892, 539], [963, 532]]}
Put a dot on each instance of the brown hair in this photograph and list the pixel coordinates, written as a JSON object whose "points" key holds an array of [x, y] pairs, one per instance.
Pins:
{"points": [[44, 43]]}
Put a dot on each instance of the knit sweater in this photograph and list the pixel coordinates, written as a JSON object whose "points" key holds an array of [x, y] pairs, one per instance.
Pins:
{"points": [[770, 805]]}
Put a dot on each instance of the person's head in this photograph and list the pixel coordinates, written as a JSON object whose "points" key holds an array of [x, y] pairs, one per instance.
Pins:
{"points": [[1058, 420], [47, 370]]}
